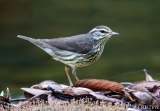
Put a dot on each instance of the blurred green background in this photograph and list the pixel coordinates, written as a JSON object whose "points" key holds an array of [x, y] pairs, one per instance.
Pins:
{"points": [[23, 64]]}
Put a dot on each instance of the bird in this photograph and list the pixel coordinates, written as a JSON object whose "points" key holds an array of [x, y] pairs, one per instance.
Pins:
{"points": [[75, 51]]}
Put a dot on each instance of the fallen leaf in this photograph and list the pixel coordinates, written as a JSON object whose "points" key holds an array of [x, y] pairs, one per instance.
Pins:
{"points": [[100, 85], [141, 86]]}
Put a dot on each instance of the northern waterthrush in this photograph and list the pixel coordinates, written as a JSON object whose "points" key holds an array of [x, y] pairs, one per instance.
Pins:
{"points": [[75, 51]]}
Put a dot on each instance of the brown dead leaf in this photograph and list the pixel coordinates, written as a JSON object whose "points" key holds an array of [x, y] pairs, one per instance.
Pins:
{"points": [[148, 76], [100, 85], [75, 92], [43, 85], [155, 90], [141, 86], [28, 95], [102, 97], [40, 97], [144, 97], [29, 92], [34, 91], [4, 99]]}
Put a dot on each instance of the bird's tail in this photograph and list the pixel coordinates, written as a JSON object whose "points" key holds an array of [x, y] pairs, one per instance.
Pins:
{"points": [[26, 38], [38, 42]]}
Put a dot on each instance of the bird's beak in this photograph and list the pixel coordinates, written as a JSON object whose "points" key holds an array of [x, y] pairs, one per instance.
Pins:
{"points": [[113, 33]]}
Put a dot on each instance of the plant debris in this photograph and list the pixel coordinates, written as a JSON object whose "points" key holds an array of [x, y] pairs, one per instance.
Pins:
{"points": [[88, 94]]}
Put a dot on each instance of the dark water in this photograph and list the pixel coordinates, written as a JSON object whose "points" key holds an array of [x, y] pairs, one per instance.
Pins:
{"points": [[22, 64]]}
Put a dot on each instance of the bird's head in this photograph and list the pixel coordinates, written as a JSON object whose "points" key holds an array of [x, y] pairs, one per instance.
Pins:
{"points": [[102, 33]]}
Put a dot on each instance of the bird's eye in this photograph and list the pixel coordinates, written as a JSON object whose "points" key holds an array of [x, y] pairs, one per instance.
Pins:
{"points": [[102, 31]]}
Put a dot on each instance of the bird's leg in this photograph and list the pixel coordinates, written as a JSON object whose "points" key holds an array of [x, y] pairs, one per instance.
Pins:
{"points": [[74, 73], [66, 70]]}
